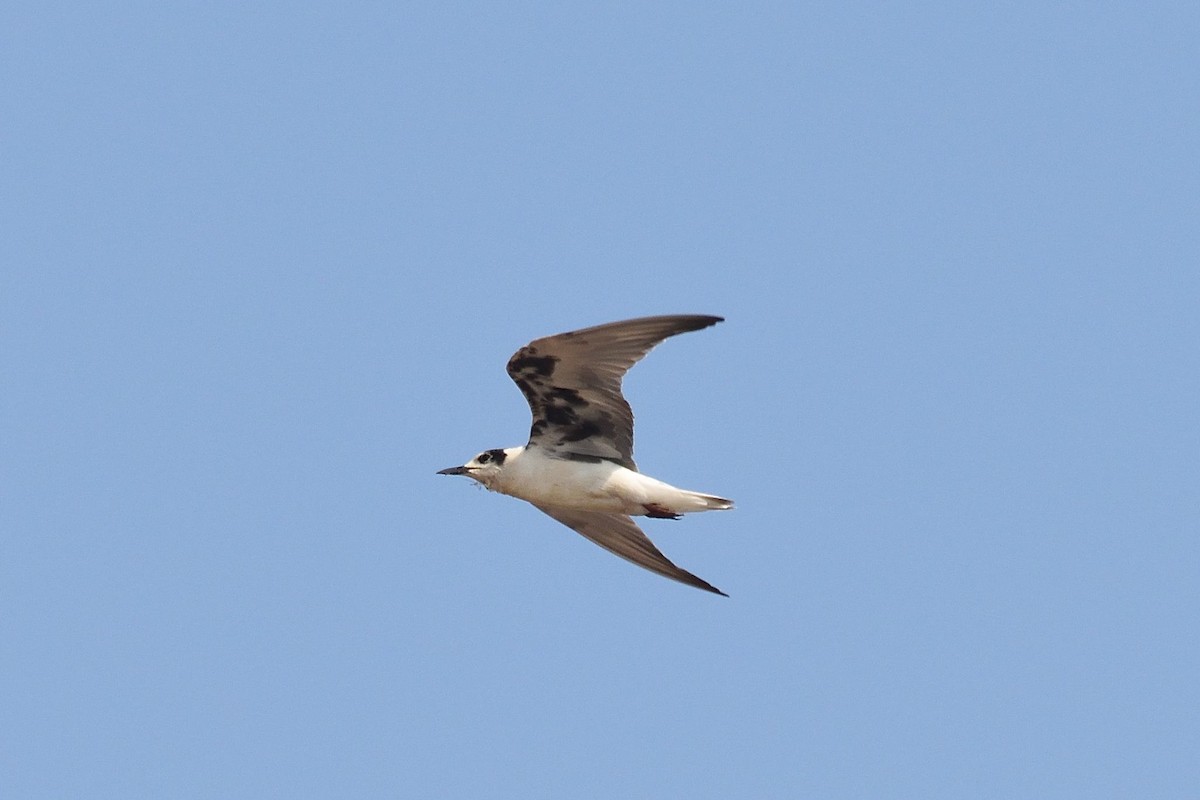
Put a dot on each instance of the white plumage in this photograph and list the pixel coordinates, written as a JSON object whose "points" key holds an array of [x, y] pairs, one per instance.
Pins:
{"points": [[578, 464]]}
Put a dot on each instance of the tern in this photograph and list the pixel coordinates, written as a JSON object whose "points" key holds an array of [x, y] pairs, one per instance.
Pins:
{"points": [[578, 464]]}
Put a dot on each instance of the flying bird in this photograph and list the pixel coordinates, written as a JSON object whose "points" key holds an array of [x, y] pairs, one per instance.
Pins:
{"points": [[578, 464]]}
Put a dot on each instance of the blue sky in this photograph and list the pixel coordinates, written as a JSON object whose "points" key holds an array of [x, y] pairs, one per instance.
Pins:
{"points": [[262, 268]]}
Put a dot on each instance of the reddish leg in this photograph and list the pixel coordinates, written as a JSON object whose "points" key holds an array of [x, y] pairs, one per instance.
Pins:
{"points": [[655, 511]]}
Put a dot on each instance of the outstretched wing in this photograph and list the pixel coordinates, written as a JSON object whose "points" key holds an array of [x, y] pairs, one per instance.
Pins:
{"points": [[573, 384], [620, 535]]}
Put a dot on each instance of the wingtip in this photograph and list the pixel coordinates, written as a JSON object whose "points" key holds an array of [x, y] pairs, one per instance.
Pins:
{"points": [[695, 322], [700, 583], [699, 320]]}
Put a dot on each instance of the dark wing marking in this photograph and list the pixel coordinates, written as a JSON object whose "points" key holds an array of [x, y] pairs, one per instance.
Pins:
{"points": [[620, 535], [573, 384]]}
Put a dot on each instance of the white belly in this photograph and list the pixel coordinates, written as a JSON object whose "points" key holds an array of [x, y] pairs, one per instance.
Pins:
{"points": [[600, 486]]}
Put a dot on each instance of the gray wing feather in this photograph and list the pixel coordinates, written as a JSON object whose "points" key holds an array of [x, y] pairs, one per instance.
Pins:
{"points": [[620, 535], [573, 384]]}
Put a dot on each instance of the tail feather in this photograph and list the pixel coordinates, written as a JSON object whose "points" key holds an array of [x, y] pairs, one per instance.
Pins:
{"points": [[710, 502]]}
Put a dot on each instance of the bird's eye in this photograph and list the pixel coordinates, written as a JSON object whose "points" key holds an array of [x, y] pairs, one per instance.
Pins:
{"points": [[484, 458]]}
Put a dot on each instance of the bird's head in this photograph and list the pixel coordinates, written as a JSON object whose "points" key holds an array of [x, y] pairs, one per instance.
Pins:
{"points": [[485, 467]]}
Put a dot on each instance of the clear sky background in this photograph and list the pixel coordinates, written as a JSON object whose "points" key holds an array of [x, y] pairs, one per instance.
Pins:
{"points": [[261, 266]]}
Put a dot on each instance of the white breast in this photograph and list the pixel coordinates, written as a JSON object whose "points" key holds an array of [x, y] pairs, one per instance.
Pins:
{"points": [[590, 486], [547, 481]]}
